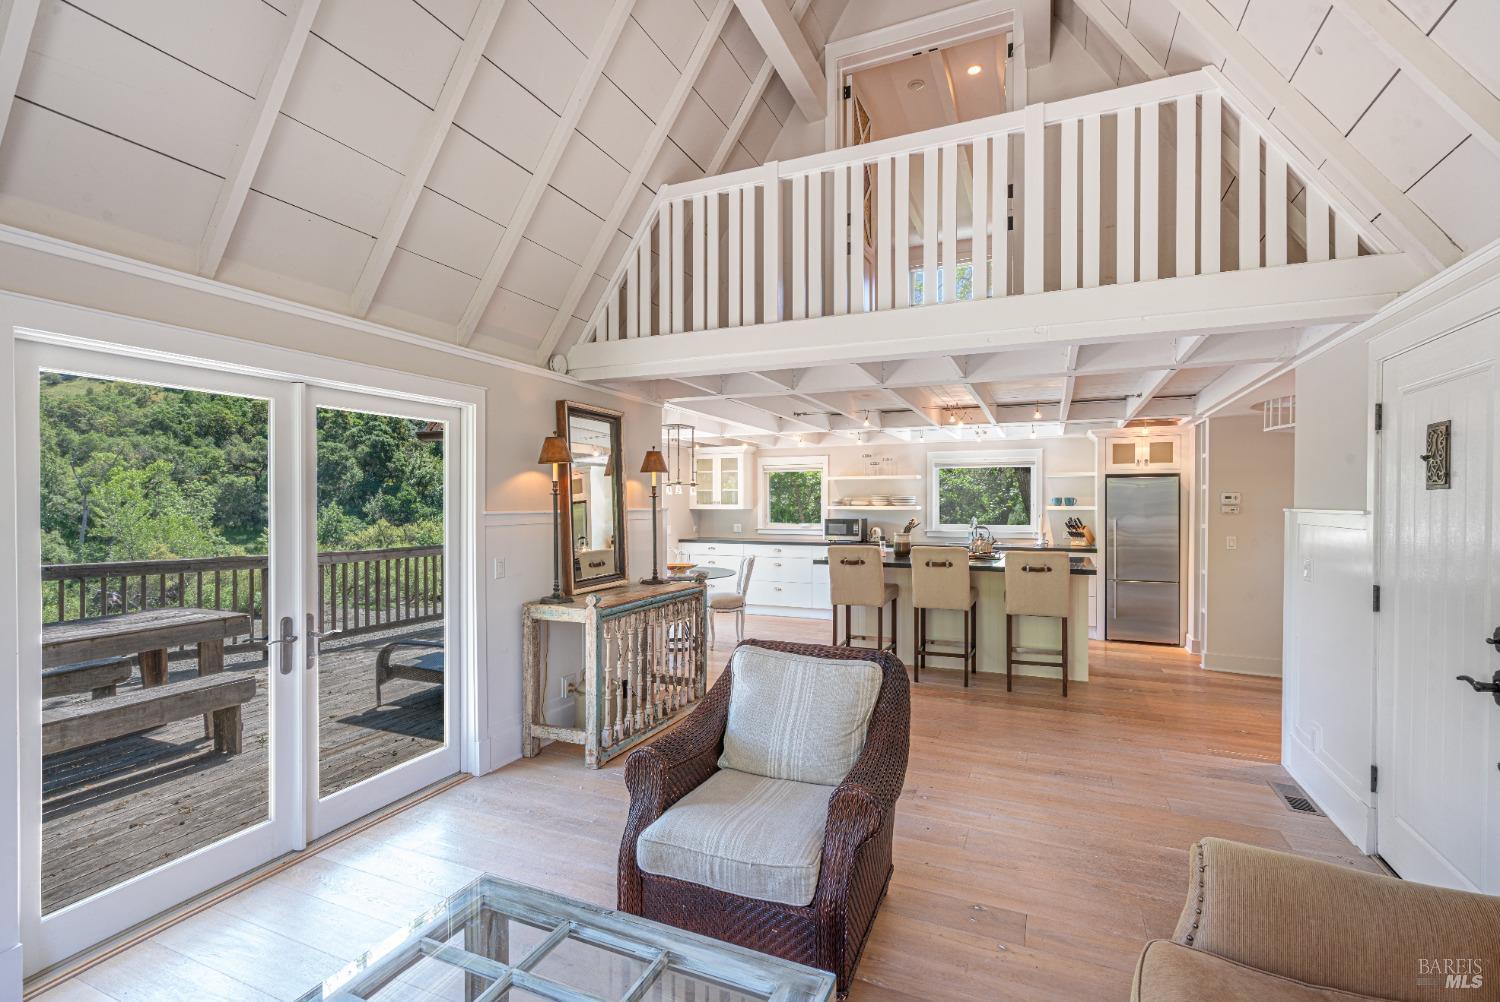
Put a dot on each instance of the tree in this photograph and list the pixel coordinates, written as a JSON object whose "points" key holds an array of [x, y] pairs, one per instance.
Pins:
{"points": [[996, 495], [795, 497]]}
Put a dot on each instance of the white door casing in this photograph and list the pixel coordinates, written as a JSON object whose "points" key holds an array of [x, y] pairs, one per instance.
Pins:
{"points": [[1438, 740]]}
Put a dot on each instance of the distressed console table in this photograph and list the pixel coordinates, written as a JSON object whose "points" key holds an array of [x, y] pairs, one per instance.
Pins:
{"points": [[645, 663]]}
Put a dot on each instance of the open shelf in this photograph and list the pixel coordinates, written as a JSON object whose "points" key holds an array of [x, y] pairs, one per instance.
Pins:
{"points": [[874, 507], [1070, 507], [877, 476]]}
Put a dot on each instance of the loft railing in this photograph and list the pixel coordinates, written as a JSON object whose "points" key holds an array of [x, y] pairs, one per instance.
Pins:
{"points": [[359, 591], [1122, 186]]}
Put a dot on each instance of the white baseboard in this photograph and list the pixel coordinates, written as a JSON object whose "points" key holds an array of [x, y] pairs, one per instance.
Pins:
{"points": [[10, 972], [1345, 807], [1239, 664]]}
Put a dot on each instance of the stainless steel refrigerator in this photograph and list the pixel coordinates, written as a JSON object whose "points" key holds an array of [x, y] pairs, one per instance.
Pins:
{"points": [[1142, 533]]}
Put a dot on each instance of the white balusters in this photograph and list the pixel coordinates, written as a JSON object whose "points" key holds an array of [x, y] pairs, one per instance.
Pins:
{"points": [[1212, 189], [679, 267], [884, 239], [747, 256], [1068, 204], [1275, 207], [979, 239], [1125, 196], [1150, 190], [929, 226], [1249, 185], [1092, 168], [1345, 240], [815, 245], [1000, 215], [664, 268], [700, 203], [798, 308], [736, 272], [770, 221], [1034, 180], [1187, 186], [950, 222], [857, 302], [901, 231], [1318, 239], [711, 280], [840, 240]]}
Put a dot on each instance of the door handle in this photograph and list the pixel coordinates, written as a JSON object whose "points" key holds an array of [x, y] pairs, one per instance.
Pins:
{"points": [[1492, 687], [284, 644], [315, 640], [1494, 640]]}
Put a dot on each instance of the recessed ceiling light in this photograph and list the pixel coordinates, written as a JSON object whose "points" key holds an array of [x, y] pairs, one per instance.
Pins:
{"points": [[975, 70], [916, 85]]}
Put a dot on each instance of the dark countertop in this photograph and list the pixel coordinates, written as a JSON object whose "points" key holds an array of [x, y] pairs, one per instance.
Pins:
{"points": [[1080, 565], [820, 541]]}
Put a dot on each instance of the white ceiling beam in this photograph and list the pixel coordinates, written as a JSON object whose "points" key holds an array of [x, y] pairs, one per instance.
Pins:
{"points": [[1035, 20], [1350, 289], [425, 153], [1186, 347], [17, 23], [1231, 384], [780, 35], [1421, 235], [1438, 73], [1124, 39], [1149, 385], [752, 98], [536, 186], [794, 413], [981, 403], [268, 98], [913, 402], [643, 164], [1070, 384], [735, 412]]}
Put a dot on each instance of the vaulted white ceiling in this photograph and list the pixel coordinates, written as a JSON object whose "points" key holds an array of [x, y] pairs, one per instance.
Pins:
{"points": [[471, 170]]}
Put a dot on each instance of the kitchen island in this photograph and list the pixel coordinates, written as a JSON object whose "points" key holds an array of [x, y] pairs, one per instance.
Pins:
{"points": [[945, 628]]}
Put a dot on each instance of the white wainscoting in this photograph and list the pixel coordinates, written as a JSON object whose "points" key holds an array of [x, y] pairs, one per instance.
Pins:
{"points": [[523, 541], [1328, 666]]}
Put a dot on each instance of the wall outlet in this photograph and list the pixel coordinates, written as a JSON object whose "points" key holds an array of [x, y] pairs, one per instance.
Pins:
{"points": [[568, 680], [739, 527], [1307, 568], [498, 568], [1231, 543]]}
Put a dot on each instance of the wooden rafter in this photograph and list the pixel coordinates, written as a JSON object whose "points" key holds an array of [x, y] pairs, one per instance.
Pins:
{"points": [[425, 153], [747, 104], [643, 164], [777, 30], [536, 187], [268, 98], [18, 25]]}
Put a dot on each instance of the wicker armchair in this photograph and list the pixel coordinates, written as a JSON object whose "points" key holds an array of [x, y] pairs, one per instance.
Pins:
{"points": [[830, 932]]}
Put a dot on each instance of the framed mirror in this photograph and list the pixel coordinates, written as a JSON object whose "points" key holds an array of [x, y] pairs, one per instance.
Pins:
{"points": [[593, 508]]}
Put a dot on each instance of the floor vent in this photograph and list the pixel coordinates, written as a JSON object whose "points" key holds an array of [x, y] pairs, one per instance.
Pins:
{"points": [[1296, 799]]}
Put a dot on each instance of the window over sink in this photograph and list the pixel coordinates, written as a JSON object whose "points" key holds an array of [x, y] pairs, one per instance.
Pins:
{"points": [[1001, 490]]}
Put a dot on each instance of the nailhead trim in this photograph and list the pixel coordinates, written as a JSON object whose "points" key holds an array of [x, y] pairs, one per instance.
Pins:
{"points": [[1202, 890]]}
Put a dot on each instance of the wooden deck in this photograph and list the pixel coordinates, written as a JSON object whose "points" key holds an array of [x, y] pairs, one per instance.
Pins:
{"points": [[1040, 842], [122, 807]]}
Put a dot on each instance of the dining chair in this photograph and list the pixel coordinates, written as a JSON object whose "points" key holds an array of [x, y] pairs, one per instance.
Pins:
{"points": [[733, 602]]}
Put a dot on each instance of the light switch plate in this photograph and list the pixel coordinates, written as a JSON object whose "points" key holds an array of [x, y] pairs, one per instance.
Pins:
{"points": [[498, 568], [1231, 543], [739, 527]]}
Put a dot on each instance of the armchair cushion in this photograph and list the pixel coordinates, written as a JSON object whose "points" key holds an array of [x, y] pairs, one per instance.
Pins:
{"points": [[796, 716], [1168, 972], [743, 834]]}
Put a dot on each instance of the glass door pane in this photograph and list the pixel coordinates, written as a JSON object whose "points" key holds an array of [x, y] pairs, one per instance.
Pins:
{"points": [[154, 525], [385, 671]]}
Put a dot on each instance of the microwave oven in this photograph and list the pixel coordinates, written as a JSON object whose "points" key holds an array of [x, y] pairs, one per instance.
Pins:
{"points": [[846, 530]]}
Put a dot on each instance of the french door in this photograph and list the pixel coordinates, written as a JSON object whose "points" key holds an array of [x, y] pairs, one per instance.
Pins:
{"points": [[239, 600], [1438, 736]]}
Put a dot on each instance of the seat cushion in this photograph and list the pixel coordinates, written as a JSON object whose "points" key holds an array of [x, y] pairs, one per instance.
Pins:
{"points": [[1169, 972], [749, 835], [727, 602], [797, 717]]}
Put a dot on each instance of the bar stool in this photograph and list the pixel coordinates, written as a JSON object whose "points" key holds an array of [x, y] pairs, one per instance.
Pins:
{"points": [[1037, 584], [940, 580], [856, 576]]}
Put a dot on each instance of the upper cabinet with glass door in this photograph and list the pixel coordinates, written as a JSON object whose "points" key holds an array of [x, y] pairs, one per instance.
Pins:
{"points": [[722, 478], [1145, 454]]}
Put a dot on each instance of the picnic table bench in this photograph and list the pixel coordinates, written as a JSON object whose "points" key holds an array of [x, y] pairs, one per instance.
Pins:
{"points": [[220, 696], [422, 668], [99, 677]]}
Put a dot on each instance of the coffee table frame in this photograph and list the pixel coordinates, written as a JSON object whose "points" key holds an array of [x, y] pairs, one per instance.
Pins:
{"points": [[482, 908]]}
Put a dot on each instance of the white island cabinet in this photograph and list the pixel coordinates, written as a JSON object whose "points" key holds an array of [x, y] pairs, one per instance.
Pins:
{"points": [[784, 583]]}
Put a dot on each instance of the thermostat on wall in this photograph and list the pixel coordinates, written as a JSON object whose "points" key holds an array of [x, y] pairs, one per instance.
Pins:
{"points": [[1229, 503]]}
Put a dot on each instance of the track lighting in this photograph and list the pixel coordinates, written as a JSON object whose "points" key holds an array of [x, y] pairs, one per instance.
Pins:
{"points": [[1036, 415]]}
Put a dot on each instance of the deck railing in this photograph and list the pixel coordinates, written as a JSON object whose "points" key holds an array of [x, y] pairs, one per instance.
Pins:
{"points": [[1121, 186], [358, 590]]}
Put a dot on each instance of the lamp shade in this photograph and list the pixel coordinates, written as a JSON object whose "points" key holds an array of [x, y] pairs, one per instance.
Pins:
{"points": [[554, 450], [655, 462]]}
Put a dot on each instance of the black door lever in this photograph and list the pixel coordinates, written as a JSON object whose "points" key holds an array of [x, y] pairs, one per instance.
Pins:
{"points": [[1490, 687], [1494, 640]]}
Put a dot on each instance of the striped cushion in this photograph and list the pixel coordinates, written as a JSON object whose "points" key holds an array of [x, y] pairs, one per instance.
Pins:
{"points": [[797, 717], [749, 835]]}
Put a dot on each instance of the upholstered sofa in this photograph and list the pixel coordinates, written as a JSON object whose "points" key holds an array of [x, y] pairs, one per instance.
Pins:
{"points": [[765, 819], [1266, 926]]}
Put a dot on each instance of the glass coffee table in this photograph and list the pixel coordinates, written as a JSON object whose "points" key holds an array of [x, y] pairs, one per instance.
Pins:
{"points": [[498, 941]]}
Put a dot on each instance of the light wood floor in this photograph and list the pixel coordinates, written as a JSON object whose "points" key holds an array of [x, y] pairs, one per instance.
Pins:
{"points": [[1039, 843]]}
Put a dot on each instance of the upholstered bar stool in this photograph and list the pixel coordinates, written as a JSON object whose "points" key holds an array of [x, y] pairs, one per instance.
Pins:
{"points": [[856, 576], [1037, 584], [940, 580]]}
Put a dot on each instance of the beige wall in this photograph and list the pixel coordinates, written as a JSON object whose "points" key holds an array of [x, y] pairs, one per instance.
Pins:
{"points": [[1333, 426], [1245, 584]]}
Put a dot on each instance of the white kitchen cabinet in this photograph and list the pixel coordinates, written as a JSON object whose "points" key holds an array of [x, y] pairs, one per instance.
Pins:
{"points": [[722, 478], [1143, 454]]}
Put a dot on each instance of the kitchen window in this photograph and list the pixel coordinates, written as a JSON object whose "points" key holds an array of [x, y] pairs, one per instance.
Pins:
{"points": [[1001, 490], [793, 494]]}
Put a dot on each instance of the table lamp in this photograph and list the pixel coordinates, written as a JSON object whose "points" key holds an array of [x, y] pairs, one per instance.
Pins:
{"points": [[654, 464], [555, 453]]}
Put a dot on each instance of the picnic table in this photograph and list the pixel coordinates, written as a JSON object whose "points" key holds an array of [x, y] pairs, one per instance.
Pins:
{"points": [[148, 635]]}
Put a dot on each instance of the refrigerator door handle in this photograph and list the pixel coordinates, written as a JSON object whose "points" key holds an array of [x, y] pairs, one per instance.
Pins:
{"points": [[1114, 545]]}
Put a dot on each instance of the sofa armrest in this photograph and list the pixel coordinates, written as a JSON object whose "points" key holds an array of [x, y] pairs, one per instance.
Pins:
{"points": [[1330, 925]]}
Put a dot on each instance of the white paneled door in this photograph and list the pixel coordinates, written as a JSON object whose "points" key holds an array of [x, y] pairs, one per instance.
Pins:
{"points": [[1438, 795]]}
